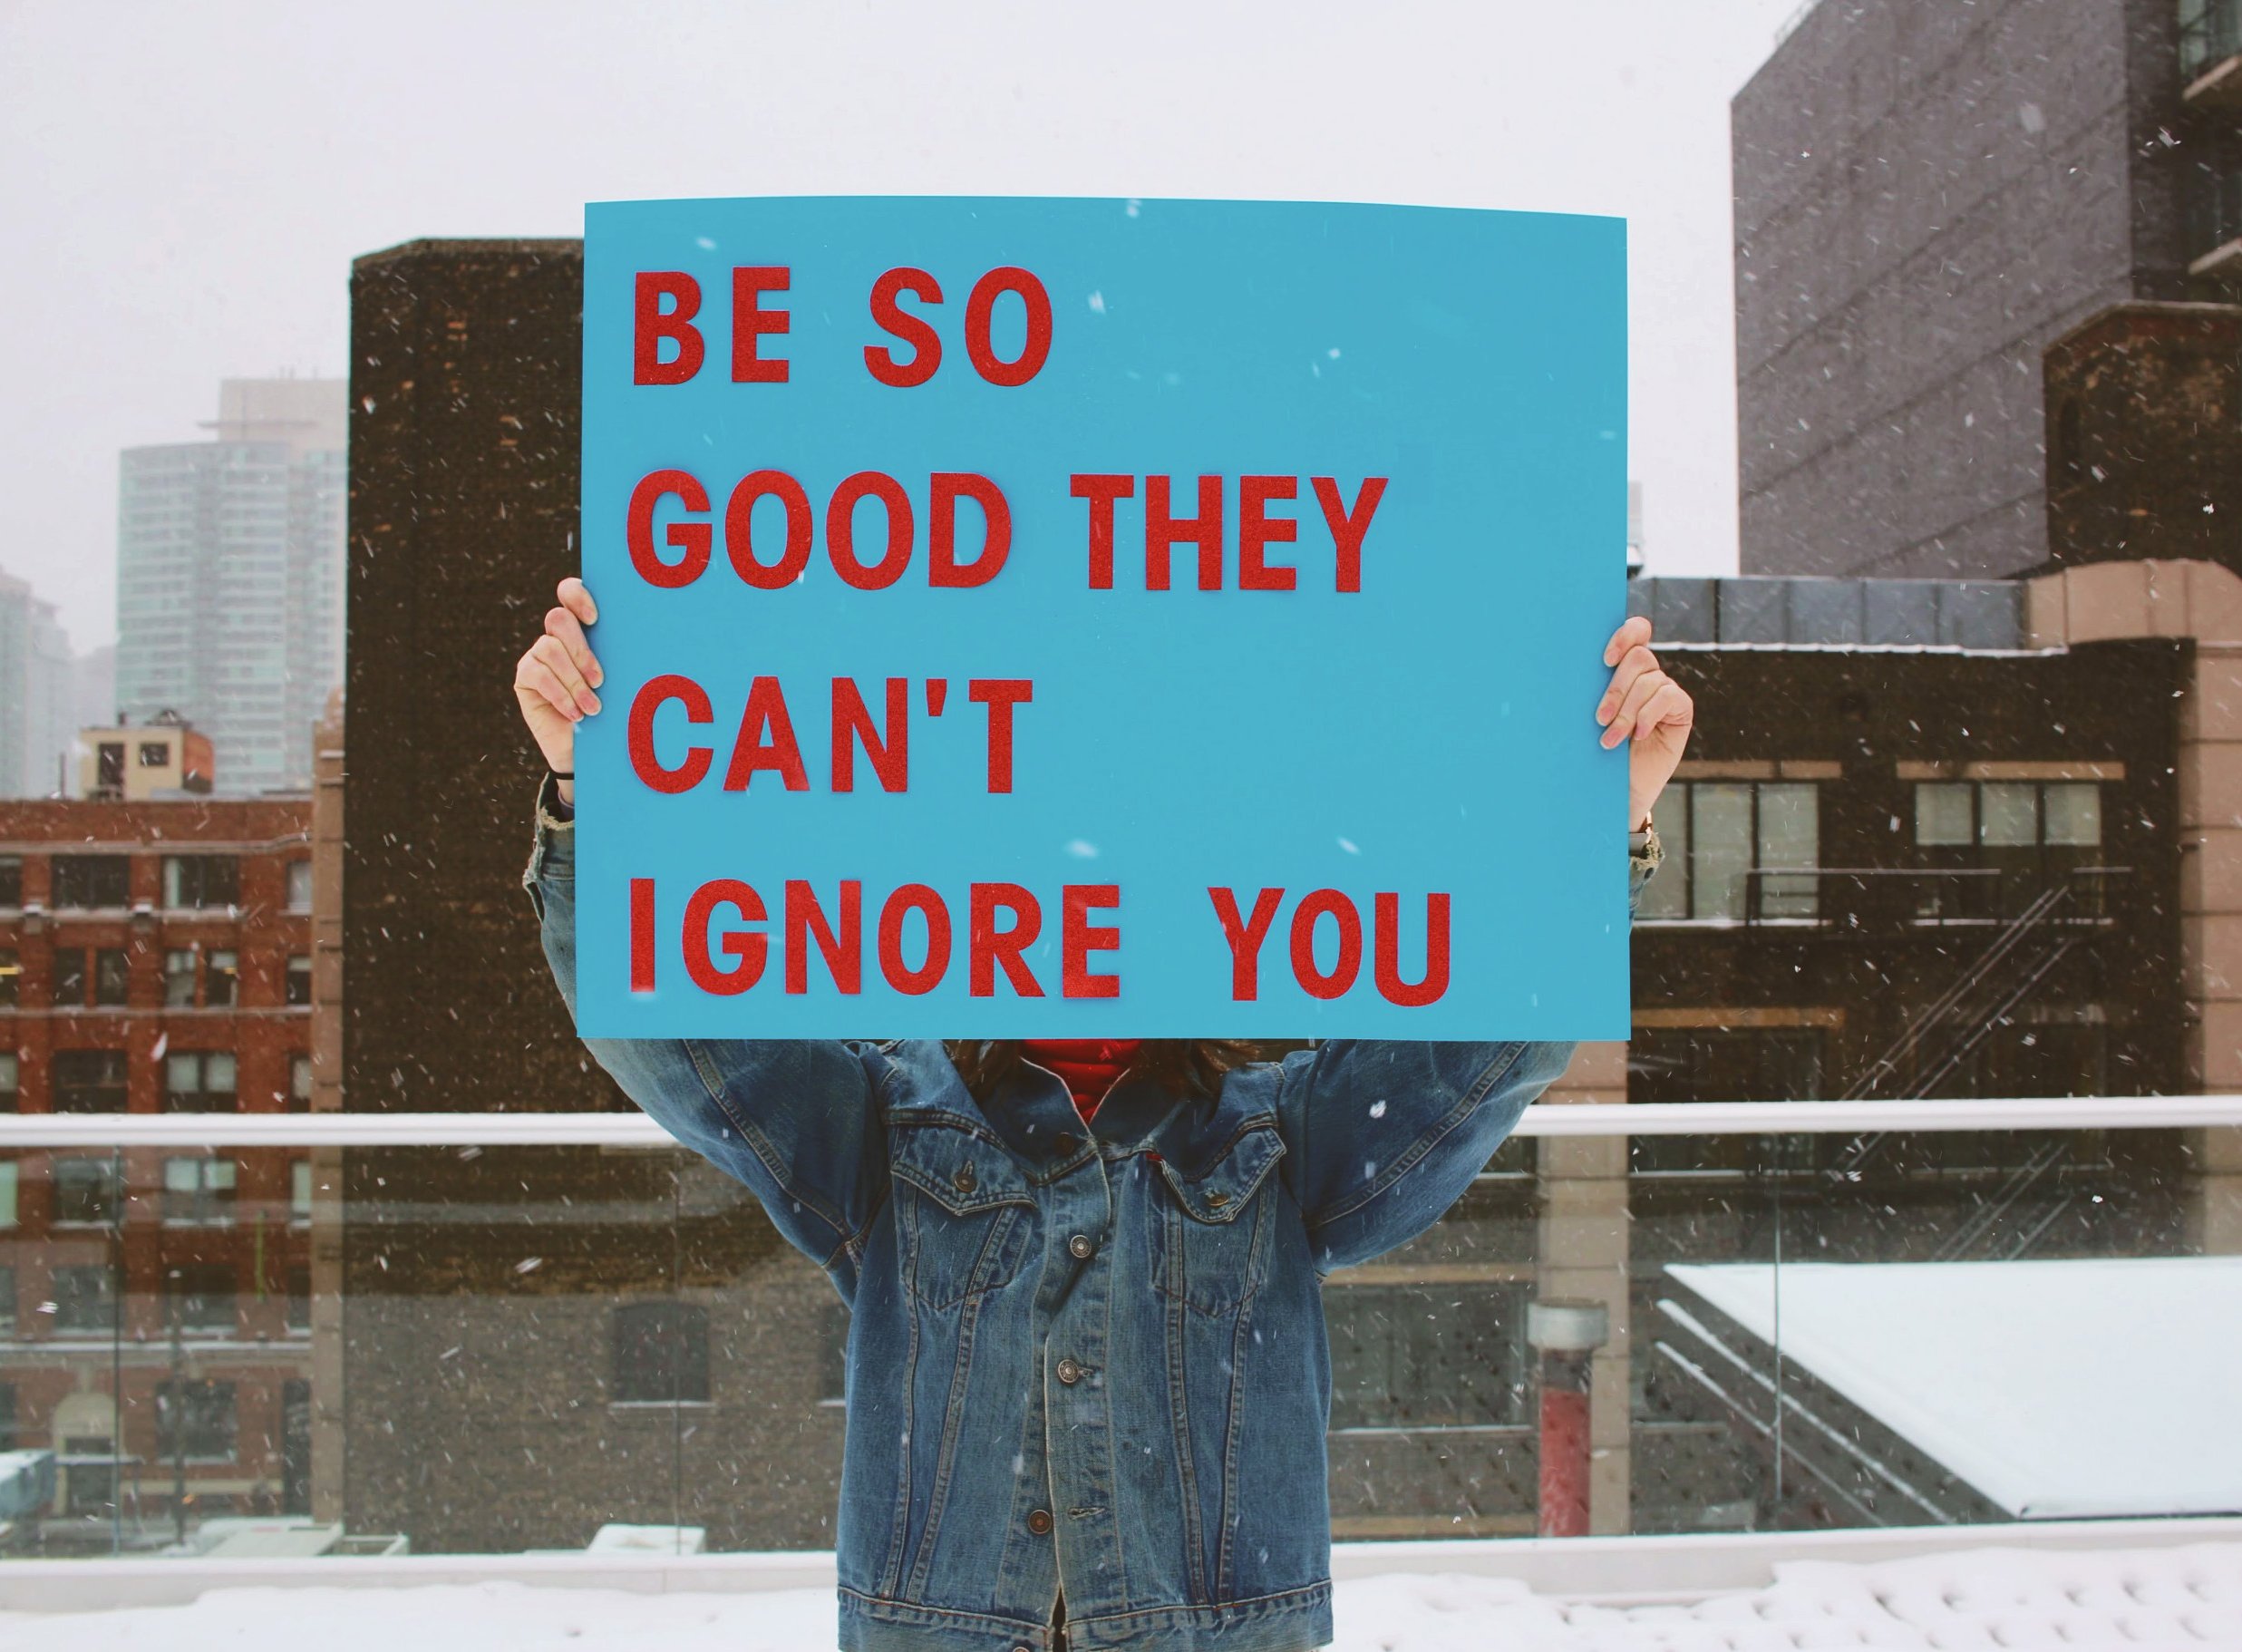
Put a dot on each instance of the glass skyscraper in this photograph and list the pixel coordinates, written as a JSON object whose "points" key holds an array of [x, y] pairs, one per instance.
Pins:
{"points": [[229, 578]]}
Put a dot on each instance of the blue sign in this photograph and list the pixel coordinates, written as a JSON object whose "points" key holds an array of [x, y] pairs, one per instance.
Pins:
{"points": [[1094, 617]]}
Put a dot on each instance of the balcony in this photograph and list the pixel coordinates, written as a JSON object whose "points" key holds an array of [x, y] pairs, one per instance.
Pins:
{"points": [[2211, 53], [1886, 899], [2215, 222]]}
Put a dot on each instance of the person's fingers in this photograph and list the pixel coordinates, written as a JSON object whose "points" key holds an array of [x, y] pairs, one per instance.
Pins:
{"points": [[548, 650], [1634, 634], [1669, 708], [1632, 665], [577, 598], [561, 623], [1638, 695], [536, 684]]}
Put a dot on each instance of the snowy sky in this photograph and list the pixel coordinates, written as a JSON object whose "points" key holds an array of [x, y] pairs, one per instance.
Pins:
{"points": [[183, 187]]}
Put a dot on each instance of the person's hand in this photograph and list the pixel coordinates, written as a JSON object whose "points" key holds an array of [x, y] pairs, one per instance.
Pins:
{"points": [[554, 681], [1647, 707]]}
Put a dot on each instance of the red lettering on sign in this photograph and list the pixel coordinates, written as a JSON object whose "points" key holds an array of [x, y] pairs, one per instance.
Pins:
{"points": [[1257, 530], [1102, 492], [1386, 955], [980, 307], [1349, 526], [946, 489], [843, 952], [1314, 981], [986, 946], [1162, 531], [651, 325], [852, 721], [750, 753], [639, 732], [840, 531], [693, 538], [739, 529], [1078, 937], [914, 898], [749, 948], [890, 318], [1245, 936], [1000, 694], [751, 321]]}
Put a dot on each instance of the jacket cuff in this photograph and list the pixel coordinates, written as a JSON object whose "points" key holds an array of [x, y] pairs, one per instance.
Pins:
{"points": [[554, 854]]}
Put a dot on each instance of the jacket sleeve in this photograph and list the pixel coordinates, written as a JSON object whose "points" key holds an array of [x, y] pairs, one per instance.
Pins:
{"points": [[1383, 1137], [795, 1120]]}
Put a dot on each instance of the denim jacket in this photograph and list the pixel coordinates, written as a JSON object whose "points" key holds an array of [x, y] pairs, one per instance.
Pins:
{"points": [[1083, 1362]]}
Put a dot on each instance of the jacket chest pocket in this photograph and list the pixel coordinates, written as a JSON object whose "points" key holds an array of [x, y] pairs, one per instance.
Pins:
{"points": [[1209, 1234], [964, 1214]]}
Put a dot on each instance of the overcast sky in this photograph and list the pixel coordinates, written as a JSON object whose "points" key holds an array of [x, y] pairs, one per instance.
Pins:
{"points": [[183, 187]]}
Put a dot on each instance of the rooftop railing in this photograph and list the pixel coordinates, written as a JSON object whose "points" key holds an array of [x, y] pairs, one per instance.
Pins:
{"points": [[518, 1334]]}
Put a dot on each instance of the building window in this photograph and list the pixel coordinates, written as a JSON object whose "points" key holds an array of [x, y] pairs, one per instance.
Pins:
{"points": [[198, 1192], [200, 883], [221, 980], [299, 1083], [70, 977], [155, 754], [199, 1081], [7, 1304], [1407, 1357], [299, 1299], [1995, 846], [85, 1298], [299, 1190], [2008, 814], [11, 880], [300, 979], [195, 1420], [92, 880], [8, 1435], [178, 978], [88, 1192], [661, 1353], [299, 885], [112, 977], [89, 1080], [1738, 851], [11, 1081], [10, 1181], [11, 977]]}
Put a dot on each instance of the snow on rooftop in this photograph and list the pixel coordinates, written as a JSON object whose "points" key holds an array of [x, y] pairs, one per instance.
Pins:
{"points": [[2182, 1599], [2059, 1389]]}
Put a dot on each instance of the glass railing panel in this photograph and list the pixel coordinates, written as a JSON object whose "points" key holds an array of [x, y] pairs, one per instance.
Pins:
{"points": [[257, 1351]]}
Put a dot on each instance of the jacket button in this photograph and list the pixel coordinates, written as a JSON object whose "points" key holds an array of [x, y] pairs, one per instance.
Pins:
{"points": [[1217, 1199], [1082, 1247], [1070, 1372], [965, 1180], [1039, 1521], [1064, 1145]]}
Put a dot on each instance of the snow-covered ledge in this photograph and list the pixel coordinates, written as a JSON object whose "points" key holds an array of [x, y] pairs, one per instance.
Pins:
{"points": [[1607, 1569]]}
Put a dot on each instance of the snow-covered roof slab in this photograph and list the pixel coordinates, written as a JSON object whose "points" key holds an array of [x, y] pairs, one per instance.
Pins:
{"points": [[2058, 1389]]}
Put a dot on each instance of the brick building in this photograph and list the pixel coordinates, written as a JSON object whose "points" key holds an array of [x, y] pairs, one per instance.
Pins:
{"points": [[154, 958], [1926, 194]]}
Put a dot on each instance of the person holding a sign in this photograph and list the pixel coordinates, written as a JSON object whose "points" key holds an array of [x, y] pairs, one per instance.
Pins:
{"points": [[1088, 1382]]}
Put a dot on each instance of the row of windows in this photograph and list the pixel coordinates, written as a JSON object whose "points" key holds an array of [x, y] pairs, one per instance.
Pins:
{"points": [[196, 1191], [194, 1081], [191, 882], [1723, 837], [101, 977]]}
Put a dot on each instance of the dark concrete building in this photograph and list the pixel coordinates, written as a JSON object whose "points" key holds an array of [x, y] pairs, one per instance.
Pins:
{"points": [[1928, 193]]}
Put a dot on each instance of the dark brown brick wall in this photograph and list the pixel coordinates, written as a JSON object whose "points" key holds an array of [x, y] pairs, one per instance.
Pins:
{"points": [[2144, 435], [464, 367]]}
